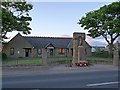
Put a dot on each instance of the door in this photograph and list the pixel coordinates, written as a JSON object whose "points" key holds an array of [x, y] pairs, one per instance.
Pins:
{"points": [[27, 52], [51, 52]]}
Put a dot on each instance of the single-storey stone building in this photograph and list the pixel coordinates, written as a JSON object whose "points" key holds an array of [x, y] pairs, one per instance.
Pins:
{"points": [[29, 46]]}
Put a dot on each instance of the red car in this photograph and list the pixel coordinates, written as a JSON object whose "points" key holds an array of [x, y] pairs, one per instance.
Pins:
{"points": [[82, 63]]}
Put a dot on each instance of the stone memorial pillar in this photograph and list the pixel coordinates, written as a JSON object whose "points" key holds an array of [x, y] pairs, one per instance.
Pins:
{"points": [[81, 53], [77, 48], [44, 57], [81, 50]]}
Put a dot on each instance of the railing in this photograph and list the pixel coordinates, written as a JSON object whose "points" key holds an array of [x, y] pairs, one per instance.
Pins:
{"points": [[94, 60], [56, 60], [34, 61]]}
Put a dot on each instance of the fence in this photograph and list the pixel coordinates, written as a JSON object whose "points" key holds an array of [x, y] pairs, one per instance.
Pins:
{"points": [[95, 60], [33, 61], [57, 60]]}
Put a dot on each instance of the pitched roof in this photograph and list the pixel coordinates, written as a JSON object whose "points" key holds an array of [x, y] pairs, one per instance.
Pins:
{"points": [[42, 42], [98, 47]]}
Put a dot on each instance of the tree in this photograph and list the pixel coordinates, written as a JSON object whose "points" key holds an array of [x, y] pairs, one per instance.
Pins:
{"points": [[15, 17], [103, 22]]}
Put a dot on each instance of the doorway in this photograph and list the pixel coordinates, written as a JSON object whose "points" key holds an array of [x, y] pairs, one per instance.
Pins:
{"points": [[27, 52], [72, 51], [51, 52]]}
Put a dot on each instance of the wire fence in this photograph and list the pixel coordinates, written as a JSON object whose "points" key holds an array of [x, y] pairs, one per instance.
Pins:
{"points": [[34, 61], [57, 60]]}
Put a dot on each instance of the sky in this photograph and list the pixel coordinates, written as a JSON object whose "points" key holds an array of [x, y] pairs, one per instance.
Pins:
{"points": [[59, 19]]}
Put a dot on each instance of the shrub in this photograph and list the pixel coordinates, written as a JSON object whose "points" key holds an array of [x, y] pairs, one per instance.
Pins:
{"points": [[4, 56], [102, 54]]}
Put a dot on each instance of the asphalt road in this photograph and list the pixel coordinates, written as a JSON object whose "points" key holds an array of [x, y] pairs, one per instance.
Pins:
{"points": [[93, 79]]}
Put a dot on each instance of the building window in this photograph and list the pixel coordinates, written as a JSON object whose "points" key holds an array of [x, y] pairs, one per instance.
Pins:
{"points": [[11, 51], [62, 51], [39, 51]]}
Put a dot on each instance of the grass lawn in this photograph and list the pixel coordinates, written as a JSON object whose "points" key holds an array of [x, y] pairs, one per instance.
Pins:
{"points": [[38, 61], [31, 61], [99, 60], [11, 61]]}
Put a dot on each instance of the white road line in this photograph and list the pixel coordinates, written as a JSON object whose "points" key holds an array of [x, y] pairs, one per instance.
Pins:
{"points": [[98, 84]]}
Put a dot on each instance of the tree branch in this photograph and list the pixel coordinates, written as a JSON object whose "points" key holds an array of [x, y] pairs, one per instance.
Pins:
{"points": [[111, 36], [4, 35], [116, 36], [105, 36]]}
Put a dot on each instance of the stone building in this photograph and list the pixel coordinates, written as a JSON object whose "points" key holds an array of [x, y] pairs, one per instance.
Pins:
{"points": [[29, 46]]}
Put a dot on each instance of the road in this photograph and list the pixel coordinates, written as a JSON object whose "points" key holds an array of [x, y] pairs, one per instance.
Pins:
{"points": [[93, 79]]}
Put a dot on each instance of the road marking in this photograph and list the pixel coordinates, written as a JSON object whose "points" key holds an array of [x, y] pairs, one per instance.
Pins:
{"points": [[98, 84]]}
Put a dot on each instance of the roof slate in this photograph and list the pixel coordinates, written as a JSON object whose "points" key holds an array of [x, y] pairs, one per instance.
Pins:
{"points": [[42, 42]]}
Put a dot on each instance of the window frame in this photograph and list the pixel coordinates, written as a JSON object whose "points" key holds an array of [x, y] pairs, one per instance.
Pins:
{"points": [[12, 51], [61, 51], [39, 51]]}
